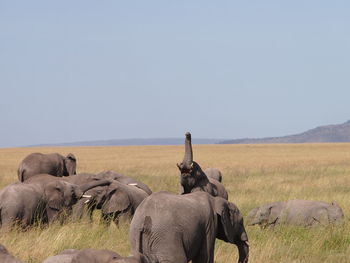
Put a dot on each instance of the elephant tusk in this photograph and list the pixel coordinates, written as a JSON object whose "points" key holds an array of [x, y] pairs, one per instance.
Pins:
{"points": [[134, 184], [87, 201], [86, 196]]}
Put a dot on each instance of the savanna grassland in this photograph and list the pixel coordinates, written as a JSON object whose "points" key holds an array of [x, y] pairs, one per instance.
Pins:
{"points": [[252, 174]]}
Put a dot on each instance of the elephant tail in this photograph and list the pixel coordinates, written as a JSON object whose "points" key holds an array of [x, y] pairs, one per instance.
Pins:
{"points": [[144, 244]]}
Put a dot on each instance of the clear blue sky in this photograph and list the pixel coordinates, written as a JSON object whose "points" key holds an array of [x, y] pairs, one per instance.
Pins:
{"points": [[88, 70]]}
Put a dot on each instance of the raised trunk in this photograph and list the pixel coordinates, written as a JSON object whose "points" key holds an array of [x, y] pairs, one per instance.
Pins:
{"points": [[243, 250], [93, 184], [188, 158]]}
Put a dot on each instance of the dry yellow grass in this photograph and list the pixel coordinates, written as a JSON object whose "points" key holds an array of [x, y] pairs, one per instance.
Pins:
{"points": [[252, 174]]}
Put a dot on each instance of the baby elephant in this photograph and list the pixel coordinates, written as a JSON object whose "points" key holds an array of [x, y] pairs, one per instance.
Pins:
{"points": [[5, 256], [93, 256], [295, 212]]}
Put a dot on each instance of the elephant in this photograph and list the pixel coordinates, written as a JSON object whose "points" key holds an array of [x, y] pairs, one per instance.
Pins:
{"points": [[53, 163], [25, 203], [116, 201], [6, 257], [93, 256], [179, 228], [213, 173], [192, 177], [296, 212]]}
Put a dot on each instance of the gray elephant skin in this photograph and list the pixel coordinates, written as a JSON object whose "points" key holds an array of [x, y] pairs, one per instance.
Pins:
{"points": [[213, 173], [25, 203], [6, 257], [192, 177], [83, 178], [116, 201], [296, 212], [179, 228], [93, 256], [53, 163], [125, 180]]}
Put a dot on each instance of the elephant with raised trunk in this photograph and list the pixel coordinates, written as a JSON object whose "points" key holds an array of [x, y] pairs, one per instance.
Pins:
{"points": [[6, 257], [180, 228], [52, 163], [26, 203], [93, 256], [296, 212], [192, 177]]}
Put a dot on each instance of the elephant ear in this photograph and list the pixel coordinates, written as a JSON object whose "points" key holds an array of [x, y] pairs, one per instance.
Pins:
{"points": [[55, 196], [70, 164], [273, 214], [118, 201], [226, 227]]}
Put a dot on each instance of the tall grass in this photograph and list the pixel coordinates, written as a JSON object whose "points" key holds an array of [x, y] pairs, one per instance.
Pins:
{"points": [[252, 174]]}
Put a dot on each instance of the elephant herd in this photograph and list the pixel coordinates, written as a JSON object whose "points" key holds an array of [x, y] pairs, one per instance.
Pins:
{"points": [[165, 227]]}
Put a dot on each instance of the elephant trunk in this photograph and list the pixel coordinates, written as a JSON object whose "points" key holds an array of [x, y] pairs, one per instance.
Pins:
{"points": [[88, 186], [188, 157], [243, 250]]}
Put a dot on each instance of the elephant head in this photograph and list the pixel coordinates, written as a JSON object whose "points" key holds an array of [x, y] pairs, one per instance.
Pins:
{"points": [[192, 174], [265, 215], [335, 213], [61, 196], [231, 228], [70, 164], [119, 200]]}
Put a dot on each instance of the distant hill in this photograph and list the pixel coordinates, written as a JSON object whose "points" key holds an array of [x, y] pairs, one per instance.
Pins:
{"points": [[125, 142], [328, 133]]}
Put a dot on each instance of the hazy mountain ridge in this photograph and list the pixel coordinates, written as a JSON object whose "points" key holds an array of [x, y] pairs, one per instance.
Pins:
{"points": [[328, 133]]}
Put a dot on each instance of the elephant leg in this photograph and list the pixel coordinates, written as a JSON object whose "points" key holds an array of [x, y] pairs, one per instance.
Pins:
{"points": [[8, 219], [205, 255]]}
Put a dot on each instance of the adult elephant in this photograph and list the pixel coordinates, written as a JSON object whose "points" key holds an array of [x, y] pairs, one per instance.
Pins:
{"points": [[25, 203], [179, 228], [52, 163], [213, 173], [192, 177], [116, 201], [296, 212], [93, 256], [6, 257]]}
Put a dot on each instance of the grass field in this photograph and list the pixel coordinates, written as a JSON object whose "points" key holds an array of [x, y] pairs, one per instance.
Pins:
{"points": [[252, 174]]}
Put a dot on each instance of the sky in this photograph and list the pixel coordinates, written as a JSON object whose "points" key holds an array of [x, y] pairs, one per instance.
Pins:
{"points": [[96, 70]]}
